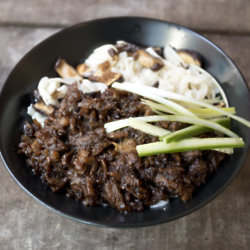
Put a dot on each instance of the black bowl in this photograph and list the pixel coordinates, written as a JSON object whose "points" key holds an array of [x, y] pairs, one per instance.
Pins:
{"points": [[74, 44]]}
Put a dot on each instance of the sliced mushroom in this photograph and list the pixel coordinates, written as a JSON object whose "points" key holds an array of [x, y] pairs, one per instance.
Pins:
{"points": [[58, 95], [114, 56], [149, 61], [108, 78], [60, 92], [103, 67], [104, 74], [65, 70], [158, 50], [156, 84], [220, 105], [83, 70], [190, 57], [128, 47], [112, 77], [42, 108]]}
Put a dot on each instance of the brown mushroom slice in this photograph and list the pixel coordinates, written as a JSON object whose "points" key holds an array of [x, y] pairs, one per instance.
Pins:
{"points": [[127, 47], [108, 78], [98, 75], [115, 78], [58, 95], [190, 57], [159, 51], [220, 105], [114, 56], [149, 61], [111, 77], [42, 108], [103, 67], [65, 70], [83, 70], [104, 74]]}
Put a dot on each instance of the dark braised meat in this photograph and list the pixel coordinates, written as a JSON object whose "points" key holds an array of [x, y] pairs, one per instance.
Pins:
{"points": [[74, 154]]}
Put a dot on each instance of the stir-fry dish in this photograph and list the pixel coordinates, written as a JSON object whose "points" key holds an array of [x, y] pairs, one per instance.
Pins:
{"points": [[130, 127]]}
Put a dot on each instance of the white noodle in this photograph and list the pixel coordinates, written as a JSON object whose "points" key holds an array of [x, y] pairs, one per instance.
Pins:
{"points": [[175, 76]]}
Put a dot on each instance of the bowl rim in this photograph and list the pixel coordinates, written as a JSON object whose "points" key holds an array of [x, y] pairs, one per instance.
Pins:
{"points": [[85, 23]]}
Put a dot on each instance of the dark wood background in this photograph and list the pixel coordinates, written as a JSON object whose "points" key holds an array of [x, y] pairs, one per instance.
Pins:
{"points": [[224, 223]]}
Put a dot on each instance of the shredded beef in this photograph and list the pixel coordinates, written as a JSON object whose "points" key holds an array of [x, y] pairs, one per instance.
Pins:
{"points": [[74, 154]]}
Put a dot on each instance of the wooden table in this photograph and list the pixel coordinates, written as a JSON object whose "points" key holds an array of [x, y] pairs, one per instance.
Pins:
{"points": [[222, 224]]}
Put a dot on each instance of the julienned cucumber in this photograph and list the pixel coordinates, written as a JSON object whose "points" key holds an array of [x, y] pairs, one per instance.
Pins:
{"points": [[115, 125], [193, 130], [140, 90], [187, 145], [228, 151], [159, 96], [159, 107], [174, 142], [209, 113], [201, 112], [198, 121], [147, 128]]}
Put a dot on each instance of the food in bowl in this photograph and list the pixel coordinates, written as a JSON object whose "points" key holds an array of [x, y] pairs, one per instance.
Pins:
{"points": [[96, 140]]}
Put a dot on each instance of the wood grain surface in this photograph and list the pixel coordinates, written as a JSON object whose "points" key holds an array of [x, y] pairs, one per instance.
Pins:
{"points": [[199, 14], [224, 223]]}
